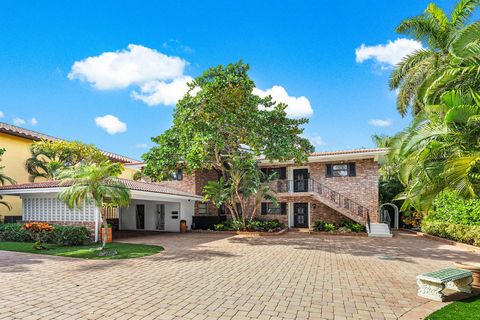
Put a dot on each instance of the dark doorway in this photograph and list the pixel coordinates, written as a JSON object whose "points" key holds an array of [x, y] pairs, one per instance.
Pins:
{"points": [[300, 215], [140, 216], [300, 180]]}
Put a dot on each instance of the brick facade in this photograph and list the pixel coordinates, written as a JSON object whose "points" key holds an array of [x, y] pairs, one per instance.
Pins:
{"points": [[361, 188]]}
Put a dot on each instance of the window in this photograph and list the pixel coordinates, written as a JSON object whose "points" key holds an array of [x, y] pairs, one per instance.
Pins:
{"points": [[271, 208], [280, 173], [341, 170], [178, 175], [202, 208]]}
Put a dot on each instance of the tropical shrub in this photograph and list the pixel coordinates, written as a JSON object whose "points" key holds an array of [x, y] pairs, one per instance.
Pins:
{"points": [[266, 225], [469, 234], [14, 232], [352, 226], [450, 207], [319, 225], [69, 236], [329, 227], [60, 235], [38, 231], [253, 225]]}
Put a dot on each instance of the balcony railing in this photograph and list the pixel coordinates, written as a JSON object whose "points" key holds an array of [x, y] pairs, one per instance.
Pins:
{"points": [[310, 185]]}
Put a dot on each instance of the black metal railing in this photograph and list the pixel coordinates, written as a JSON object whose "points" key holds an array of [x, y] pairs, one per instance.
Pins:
{"points": [[310, 185]]}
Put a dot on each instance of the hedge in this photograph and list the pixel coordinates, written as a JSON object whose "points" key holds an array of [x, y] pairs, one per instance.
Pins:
{"points": [[61, 235], [469, 234], [450, 207]]}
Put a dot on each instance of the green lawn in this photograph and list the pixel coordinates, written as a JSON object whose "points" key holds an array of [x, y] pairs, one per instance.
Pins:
{"points": [[468, 309], [124, 250]]}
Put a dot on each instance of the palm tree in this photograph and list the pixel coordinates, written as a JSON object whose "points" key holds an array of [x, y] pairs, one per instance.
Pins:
{"points": [[463, 71], [413, 75], [439, 150], [97, 183]]}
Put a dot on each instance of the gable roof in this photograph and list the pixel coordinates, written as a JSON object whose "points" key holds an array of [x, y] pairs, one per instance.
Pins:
{"points": [[36, 136], [130, 184]]}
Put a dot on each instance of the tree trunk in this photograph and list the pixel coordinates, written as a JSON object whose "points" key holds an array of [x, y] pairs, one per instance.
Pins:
{"points": [[105, 229]]}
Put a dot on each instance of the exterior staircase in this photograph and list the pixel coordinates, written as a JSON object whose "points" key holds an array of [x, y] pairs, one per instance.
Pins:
{"points": [[380, 230], [325, 195], [337, 201]]}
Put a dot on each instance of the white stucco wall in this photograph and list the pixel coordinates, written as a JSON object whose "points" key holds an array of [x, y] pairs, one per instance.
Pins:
{"points": [[185, 209]]}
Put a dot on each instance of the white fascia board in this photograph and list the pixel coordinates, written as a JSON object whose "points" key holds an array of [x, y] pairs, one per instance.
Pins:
{"points": [[375, 155], [146, 195], [19, 192]]}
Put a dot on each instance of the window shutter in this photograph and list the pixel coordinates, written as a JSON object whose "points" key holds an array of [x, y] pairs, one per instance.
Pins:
{"points": [[351, 169], [329, 171], [264, 208], [283, 173], [283, 208]]}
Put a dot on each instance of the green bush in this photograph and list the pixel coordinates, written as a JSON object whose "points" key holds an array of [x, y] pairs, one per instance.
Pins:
{"points": [[353, 226], [319, 225], [69, 235], [265, 225], [60, 235], [254, 225], [14, 232], [450, 207], [329, 227], [453, 231]]}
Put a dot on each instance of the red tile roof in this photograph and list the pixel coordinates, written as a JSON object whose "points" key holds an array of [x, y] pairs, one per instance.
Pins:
{"points": [[130, 184], [33, 135], [353, 151]]}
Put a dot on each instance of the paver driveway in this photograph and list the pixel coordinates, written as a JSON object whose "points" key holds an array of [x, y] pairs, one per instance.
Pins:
{"points": [[209, 276]]}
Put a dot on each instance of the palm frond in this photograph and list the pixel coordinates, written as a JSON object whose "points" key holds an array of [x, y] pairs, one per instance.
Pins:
{"points": [[467, 42], [462, 11]]}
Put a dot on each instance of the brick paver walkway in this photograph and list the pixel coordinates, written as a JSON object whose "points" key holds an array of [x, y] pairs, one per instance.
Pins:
{"points": [[210, 276]]}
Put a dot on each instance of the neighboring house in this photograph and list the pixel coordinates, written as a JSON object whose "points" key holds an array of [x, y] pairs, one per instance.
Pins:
{"points": [[331, 186], [17, 142]]}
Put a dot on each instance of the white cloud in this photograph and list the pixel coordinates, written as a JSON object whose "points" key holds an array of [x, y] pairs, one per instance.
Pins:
{"points": [[18, 121], [387, 54], [111, 124], [380, 122], [161, 92], [141, 145], [316, 140], [2, 115], [298, 107], [120, 69], [33, 121]]}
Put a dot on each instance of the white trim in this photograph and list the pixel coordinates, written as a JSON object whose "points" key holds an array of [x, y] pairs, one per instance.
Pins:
{"points": [[135, 194], [97, 218], [375, 155], [308, 208]]}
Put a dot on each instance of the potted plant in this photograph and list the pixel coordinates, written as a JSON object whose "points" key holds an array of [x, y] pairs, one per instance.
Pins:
{"points": [[109, 233], [183, 226]]}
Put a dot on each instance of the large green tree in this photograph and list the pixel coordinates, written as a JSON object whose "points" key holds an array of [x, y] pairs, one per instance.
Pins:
{"points": [[415, 73], [219, 117], [49, 158], [97, 183]]}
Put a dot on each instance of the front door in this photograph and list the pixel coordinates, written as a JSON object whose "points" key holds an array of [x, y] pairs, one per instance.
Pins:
{"points": [[300, 215], [300, 180], [140, 216]]}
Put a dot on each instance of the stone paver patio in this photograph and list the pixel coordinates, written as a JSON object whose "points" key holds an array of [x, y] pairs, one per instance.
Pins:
{"points": [[211, 276]]}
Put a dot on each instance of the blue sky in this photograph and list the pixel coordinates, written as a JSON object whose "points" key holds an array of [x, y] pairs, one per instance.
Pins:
{"points": [[304, 48]]}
